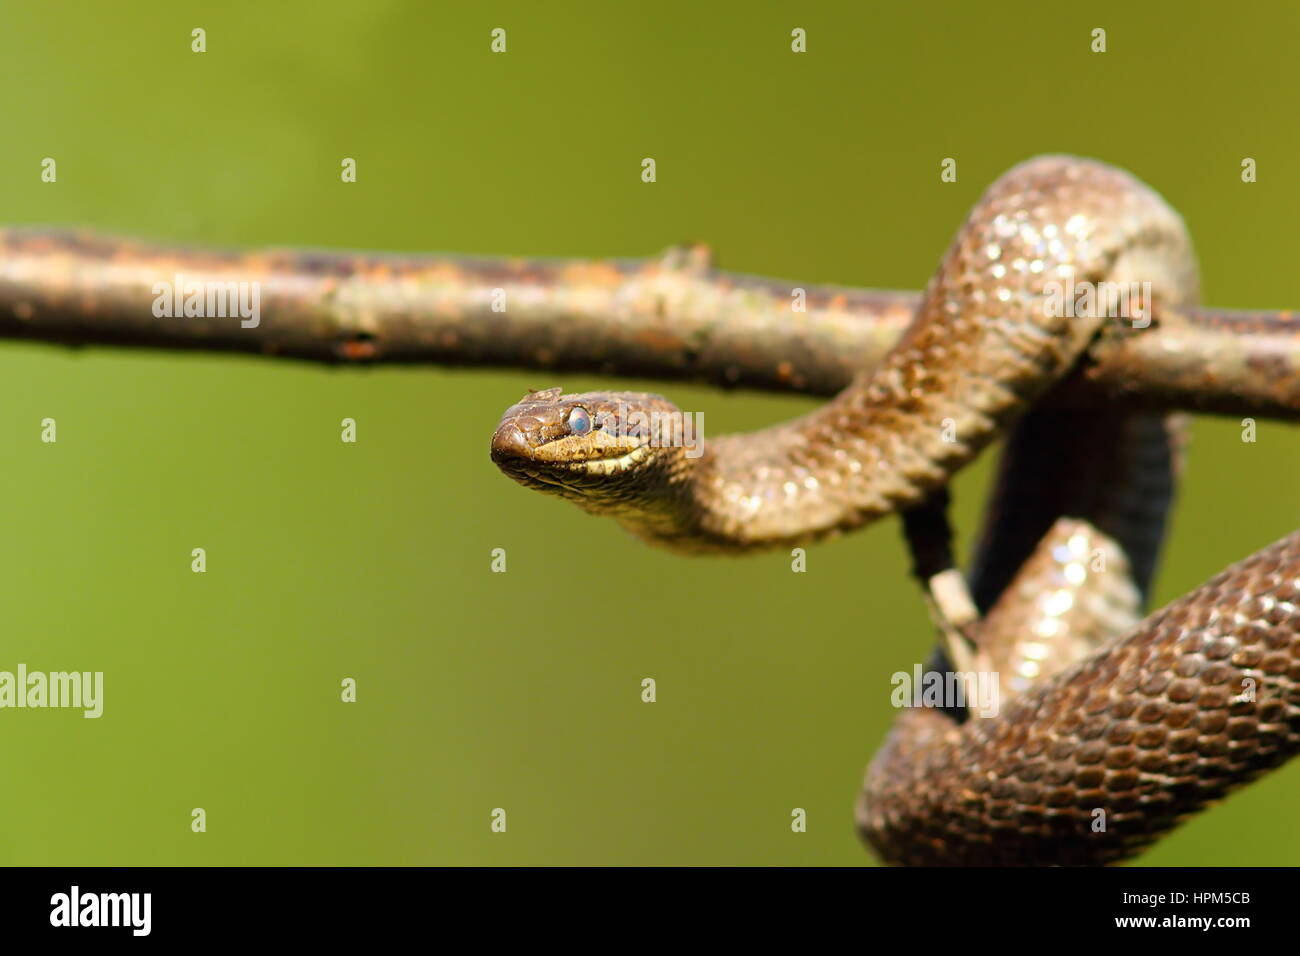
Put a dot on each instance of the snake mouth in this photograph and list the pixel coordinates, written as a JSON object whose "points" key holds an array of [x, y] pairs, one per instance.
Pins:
{"points": [[566, 463], [576, 478], [587, 484], [608, 465]]}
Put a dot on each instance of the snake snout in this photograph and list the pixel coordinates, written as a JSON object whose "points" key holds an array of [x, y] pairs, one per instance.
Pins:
{"points": [[510, 444]]}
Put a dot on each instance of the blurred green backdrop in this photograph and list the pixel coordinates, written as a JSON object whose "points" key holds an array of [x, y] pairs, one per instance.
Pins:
{"points": [[326, 560]]}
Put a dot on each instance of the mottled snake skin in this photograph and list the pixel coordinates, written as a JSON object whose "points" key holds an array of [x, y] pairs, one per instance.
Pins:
{"points": [[1110, 730], [1087, 763], [1199, 699]]}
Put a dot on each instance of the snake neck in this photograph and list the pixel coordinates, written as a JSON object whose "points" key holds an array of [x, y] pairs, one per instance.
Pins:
{"points": [[990, 336]]}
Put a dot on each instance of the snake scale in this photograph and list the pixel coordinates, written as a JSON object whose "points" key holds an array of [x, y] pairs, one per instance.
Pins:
{"points": [[1112, 729]]}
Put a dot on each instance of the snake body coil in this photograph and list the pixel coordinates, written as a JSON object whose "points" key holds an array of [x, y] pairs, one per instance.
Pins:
{"points": [[1115, 730], [1094, 764]]}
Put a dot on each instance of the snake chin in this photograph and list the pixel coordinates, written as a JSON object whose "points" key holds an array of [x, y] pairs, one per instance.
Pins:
{"points": [[572, 478]]}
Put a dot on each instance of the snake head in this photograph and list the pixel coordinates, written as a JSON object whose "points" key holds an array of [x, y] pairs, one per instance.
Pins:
{"points": [[601, 450]]}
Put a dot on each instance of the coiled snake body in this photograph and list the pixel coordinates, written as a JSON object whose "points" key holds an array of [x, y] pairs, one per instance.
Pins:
{"points": [[1110, 731]]}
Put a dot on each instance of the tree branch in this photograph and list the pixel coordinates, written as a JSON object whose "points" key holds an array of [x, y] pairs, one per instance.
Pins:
{"points": [[670, 317]]}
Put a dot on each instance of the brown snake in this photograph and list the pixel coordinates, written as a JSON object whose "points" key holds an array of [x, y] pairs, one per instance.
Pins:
{"points": [[1103, 720], [1111, 731]]}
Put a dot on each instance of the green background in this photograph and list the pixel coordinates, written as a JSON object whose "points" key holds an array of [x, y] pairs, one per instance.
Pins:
{"points": [[325, 560]]}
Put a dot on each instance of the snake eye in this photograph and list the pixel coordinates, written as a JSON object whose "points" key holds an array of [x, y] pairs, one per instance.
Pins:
{"points": [[579, 421]]}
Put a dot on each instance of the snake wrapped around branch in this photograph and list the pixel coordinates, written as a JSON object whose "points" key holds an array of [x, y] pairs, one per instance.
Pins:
{"points": [[1104, 717]]}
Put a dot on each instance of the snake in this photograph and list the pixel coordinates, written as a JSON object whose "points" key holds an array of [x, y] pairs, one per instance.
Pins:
{"points": [[1112, 728]]}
